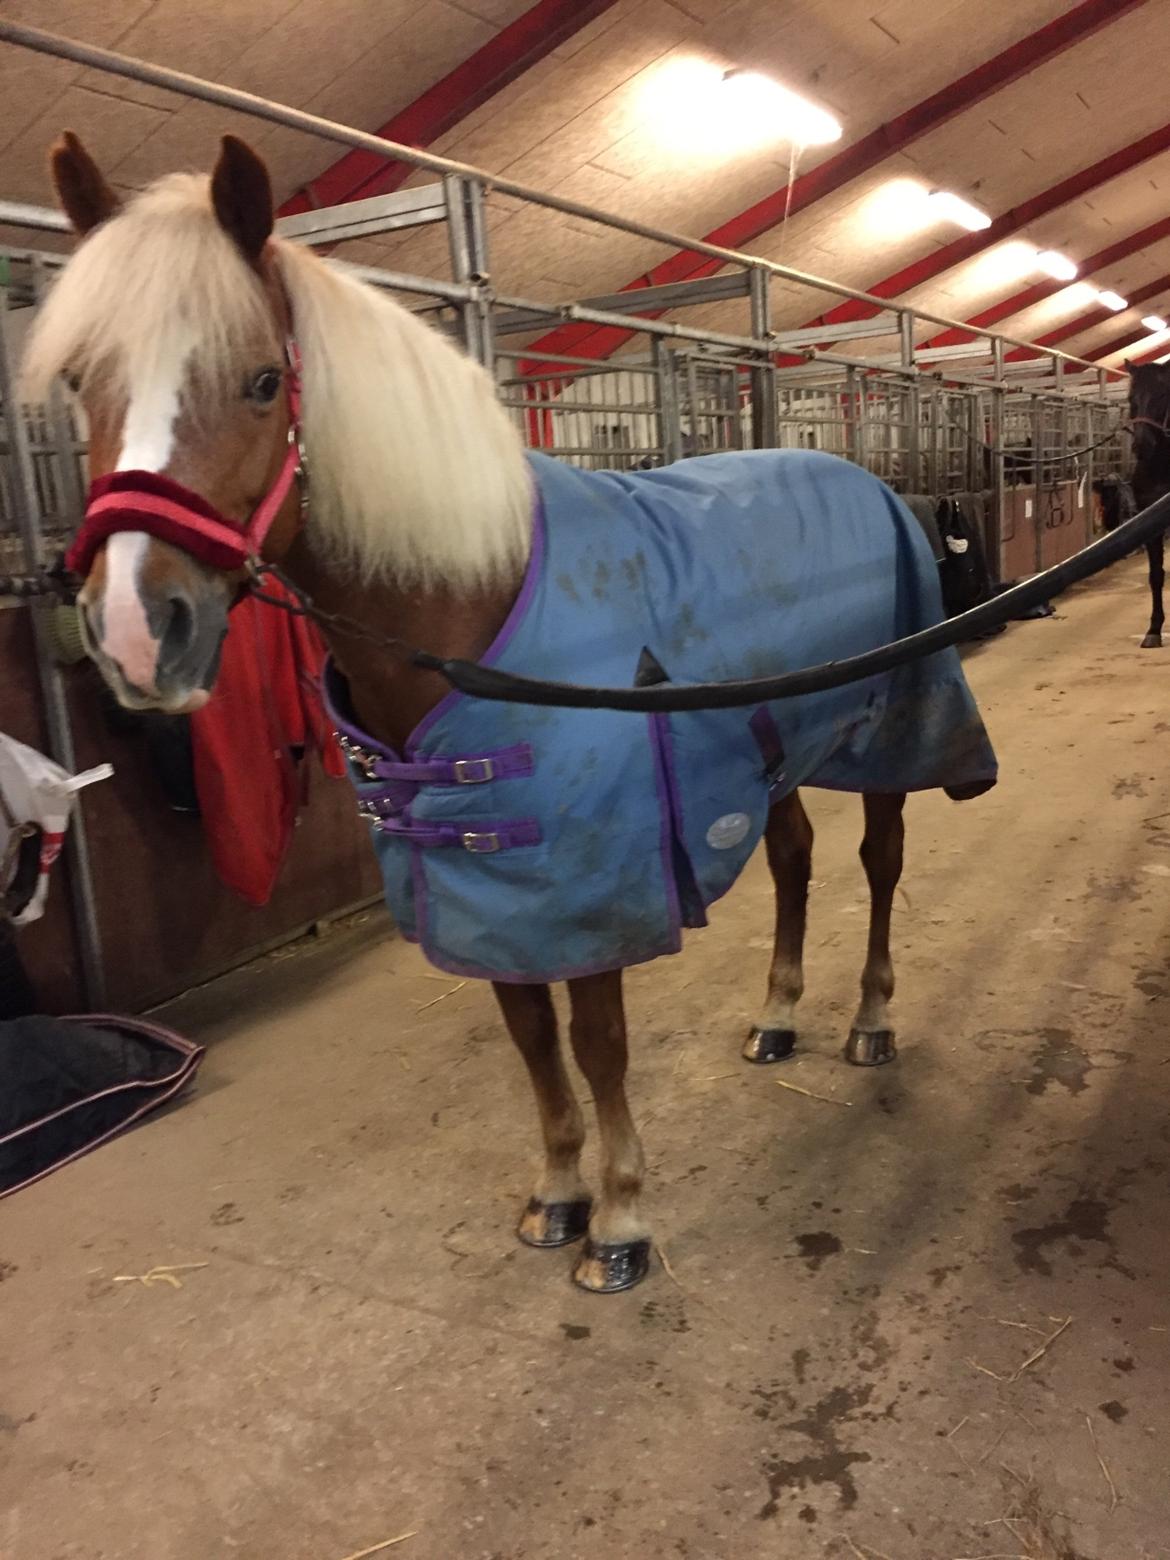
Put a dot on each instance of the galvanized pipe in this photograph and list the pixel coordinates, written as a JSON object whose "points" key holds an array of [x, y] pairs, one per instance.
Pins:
{"points": [[45, 219], [664, 328]]}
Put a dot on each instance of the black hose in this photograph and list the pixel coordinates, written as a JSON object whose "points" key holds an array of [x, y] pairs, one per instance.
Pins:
{"points": [[485, 682]]}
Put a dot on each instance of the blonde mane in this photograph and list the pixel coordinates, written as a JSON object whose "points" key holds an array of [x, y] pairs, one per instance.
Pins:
{"points": [[417, 473]]}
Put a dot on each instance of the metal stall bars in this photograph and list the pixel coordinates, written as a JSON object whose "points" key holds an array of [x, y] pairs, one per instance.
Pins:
{"points": [[40, 496], [588, 413]]}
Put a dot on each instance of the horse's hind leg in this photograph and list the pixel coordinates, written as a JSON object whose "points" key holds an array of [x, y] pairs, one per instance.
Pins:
{"points": [[788, 839], [1155, 551], [617, 1254], [871, 1040], [558, 1210]]}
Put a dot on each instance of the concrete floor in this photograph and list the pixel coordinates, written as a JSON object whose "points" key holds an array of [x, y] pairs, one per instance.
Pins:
{"points": [[368, 1353]]}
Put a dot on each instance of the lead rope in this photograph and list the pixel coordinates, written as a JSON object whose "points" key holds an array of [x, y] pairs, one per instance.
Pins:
{"points": [[486, 682]]}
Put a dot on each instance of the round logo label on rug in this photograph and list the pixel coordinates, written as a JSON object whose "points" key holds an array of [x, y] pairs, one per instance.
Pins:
{"points": [[728, 831]]}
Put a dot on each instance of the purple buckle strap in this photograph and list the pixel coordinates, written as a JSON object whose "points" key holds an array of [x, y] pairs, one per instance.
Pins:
{"points": [[503, 764], [482, 840]]}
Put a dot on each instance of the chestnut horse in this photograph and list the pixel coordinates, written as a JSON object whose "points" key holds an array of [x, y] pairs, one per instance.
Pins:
{"points": [[171, 323]]}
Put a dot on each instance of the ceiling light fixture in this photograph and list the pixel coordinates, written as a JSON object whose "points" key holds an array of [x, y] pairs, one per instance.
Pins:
{"points": [[1112, 300], [1057, 265], [953, 208], [763, 108], [1154, 322]]}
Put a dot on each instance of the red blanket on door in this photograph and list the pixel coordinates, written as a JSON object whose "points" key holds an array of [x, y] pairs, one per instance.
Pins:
{"points": [[253, 740]]}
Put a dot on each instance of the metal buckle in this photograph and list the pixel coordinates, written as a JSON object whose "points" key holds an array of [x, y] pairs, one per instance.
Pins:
{"points": [[473, 771], [370, 812], [358, 755], [481, 844]]}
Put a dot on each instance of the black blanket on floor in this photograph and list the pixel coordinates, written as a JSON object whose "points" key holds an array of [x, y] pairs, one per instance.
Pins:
{"points": [[67, 1084]]}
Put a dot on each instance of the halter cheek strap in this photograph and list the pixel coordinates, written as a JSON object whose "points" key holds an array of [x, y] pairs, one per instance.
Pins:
{"points": [[148, 501]]}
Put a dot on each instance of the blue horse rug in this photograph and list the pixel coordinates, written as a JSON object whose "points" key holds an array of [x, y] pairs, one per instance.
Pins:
{"points": [[520, 843]]}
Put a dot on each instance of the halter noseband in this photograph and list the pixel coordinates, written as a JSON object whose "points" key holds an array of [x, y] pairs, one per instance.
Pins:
{"points": [[148, 501], [1162, 427]]}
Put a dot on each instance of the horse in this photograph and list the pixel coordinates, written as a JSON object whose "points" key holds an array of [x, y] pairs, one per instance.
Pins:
{"points": [[246, 398], [1149, 417]]}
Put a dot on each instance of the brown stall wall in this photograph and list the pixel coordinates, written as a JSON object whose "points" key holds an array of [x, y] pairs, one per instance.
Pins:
{"points": [[166, 920], [1017, 548], [1059, 513], [1065, 521]]}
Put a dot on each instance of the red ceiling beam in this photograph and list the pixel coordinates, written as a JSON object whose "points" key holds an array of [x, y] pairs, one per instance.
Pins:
{"points": [[514, 49], [1025, 299], [1119, 344], [1086, 321], [1004, 226], [1150, 357], [992, 76]]}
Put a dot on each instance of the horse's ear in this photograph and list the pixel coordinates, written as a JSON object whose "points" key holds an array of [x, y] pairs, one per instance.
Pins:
{"points": [[1128, 366], [86, 198], [241, 193]]}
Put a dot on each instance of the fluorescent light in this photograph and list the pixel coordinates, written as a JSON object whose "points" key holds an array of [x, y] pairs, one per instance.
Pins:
{"points": [[953, 208], [1057, 265], [696, 109], [1164, 359], [1154, 322], [764, 109], [896, 207], [1112, 300]]}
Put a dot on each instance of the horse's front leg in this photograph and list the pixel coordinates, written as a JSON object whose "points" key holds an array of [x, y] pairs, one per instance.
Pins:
{"points": [[617, 1254], [558, 1210], [871, 1040], [1155, 551]]}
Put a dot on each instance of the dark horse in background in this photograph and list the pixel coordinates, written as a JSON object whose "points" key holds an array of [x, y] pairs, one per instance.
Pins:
{"points": [[1149, 415]]}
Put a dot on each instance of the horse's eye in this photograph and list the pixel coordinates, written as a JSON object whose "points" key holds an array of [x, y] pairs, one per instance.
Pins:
{"points": [[263, 387], [74, 382]]}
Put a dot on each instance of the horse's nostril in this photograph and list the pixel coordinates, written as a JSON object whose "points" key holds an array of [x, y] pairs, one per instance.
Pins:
{"points": [[179, 633]]}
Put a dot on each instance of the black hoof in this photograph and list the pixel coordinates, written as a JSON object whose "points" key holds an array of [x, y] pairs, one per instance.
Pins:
{"points": [[553, 1224], [769, 1045], [608, 1269], [1152, 642], [870, 1048]]}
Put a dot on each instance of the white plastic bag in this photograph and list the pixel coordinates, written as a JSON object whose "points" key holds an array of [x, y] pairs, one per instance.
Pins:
{"points": [[34, 790]]}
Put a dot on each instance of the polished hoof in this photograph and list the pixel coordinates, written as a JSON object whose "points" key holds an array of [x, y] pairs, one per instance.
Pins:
{"points": [[769, 1045], [1152, 642], [870, 1048], [553, 1224], [608, 1269]]}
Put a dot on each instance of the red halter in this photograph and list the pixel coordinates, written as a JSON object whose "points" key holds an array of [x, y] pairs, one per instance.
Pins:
{"points": [[148, 501]]}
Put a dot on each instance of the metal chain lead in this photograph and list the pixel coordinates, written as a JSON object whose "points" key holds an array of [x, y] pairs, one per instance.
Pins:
{"points": [[302, 605]]}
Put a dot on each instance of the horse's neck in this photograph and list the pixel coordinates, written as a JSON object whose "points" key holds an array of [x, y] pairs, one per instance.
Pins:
{"points": [[388, 694]]}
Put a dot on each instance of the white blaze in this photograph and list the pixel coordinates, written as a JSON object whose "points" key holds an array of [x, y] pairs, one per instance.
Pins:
{"points": [[149, 431], [147, 440], [126, 637]]}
